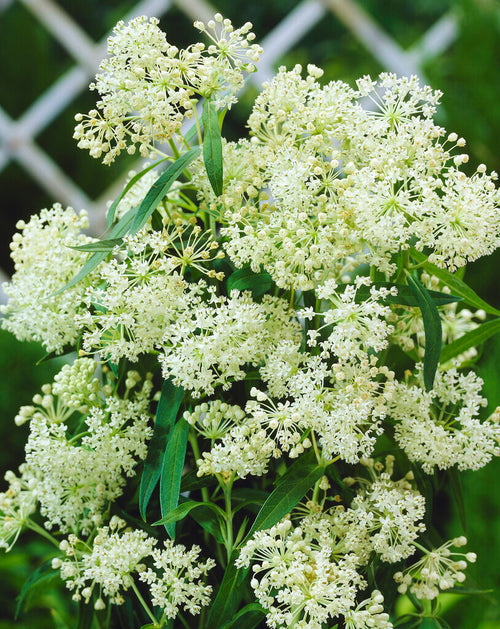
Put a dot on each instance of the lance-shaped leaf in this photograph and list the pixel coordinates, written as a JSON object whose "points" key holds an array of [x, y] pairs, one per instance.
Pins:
{"points": [[456, 284], [284, 498], [432, 329], [212, 147], [229, 595], [171, 473], [405, 296], [246, 279], [160, 188], [117, 231], [471, 339], [101, 245], [128, 187], [168, 407], [42, 573], [183, 509]]}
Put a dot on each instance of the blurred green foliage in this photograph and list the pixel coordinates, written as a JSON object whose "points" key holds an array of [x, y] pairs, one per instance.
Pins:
{"points": [[467, 73]]}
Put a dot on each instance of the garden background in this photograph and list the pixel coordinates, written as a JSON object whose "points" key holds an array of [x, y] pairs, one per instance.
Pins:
{"points": [[50, 51]]}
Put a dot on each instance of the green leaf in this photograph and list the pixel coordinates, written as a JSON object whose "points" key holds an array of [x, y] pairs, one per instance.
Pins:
{"points": [[160, 188], [300, 467], [117, 231], [455, 283], [212, 147], [432, 329], [247, 618], [42, 573], [456, 488], [183, 509], [208, 520], [471, 339], [168, 407], [246, 279], [171, 473], [286, 495], [405, 296], [229, 595], [129, 186], [101, 245]]}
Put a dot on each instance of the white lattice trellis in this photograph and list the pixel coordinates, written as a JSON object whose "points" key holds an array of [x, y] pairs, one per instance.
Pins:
{"points": [[17, 136]]}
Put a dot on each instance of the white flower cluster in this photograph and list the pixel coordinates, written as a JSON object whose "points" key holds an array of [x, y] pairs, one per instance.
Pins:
{"points": [[438, 569], [442, 428], [77, 473], [298, 578], [241, 446], [307, 573], [117, 556], [210, 343], [44, 263], [17, 504], [148, 87], [326, 180]]}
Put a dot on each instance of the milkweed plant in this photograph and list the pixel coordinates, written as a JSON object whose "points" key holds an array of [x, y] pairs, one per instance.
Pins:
{"points": [[272, 349]]}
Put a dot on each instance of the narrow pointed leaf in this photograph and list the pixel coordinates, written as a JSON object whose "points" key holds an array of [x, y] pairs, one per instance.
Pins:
{"points": [[455, 283], [208, 520], [128, 187], [432, 329], [160, 188], [183, 509], [283, 499], [42, 573], [171, 473], [117, 231], [168, 407], [471, 339], [212, 147], [100, 246], [246, 279], [229, 595], [405, 296]]}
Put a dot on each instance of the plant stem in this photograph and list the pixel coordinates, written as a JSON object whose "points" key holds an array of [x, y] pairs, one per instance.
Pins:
{"points": [[145, 605], [226, 488], [196, 451], [38, 529]]}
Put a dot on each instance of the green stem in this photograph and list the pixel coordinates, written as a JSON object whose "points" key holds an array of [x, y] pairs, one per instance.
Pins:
{"points": [[316, 491], [196, 451], [38, 529], [228, 541], [145, 605], [175, 150], [405, 260]]}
